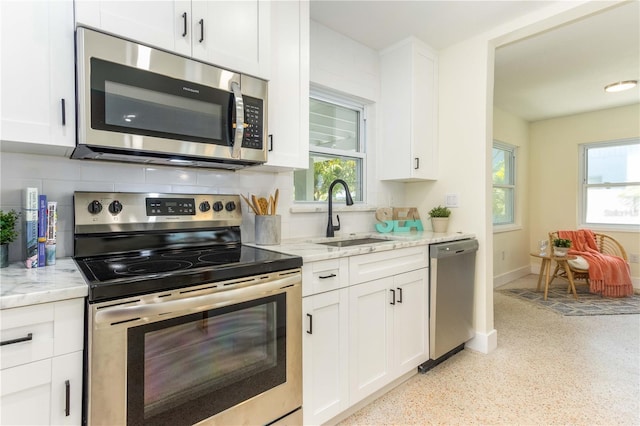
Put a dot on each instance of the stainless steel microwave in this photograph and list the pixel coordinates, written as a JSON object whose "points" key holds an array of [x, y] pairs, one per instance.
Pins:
{"points": [[140, 104]]}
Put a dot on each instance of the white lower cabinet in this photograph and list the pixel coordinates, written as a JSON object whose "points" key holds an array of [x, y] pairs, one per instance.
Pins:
{"points": [[365, 325], [42, 356], [325, 377], [387, 330]]}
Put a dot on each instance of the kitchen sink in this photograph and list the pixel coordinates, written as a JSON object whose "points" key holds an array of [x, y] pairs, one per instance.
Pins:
{"points": [[354, 242]]}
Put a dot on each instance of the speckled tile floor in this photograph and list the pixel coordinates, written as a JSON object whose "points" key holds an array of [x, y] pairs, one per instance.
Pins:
{"points": [[548, 369]]}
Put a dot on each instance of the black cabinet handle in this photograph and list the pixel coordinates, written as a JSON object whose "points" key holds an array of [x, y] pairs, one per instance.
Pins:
{"points": [[270, 143], [324, 277], [64, 112], [393, 297], [310, 330], [399, 295], [184, 21], [201, 22], [417, 163], [27, 338], [67, 398]]}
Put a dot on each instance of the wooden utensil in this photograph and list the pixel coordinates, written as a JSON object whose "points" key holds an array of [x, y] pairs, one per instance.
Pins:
{"points": [[272, 207], [249, 204], [275, 201], [256, 204], [264, 205]]}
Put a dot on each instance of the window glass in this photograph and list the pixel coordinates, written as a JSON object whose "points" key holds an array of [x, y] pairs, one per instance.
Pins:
{"points": [[611, 183], [336, 149], [503, 184]]}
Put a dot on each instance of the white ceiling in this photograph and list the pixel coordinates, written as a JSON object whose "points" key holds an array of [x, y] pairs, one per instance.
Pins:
{"points": [[559, 72]]}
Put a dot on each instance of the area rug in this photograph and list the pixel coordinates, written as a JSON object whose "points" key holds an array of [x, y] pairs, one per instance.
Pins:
{"points": [[558, 300]]}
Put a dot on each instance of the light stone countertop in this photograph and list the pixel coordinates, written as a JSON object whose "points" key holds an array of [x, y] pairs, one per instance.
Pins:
{"points": [[311, 251], [20, 286]]}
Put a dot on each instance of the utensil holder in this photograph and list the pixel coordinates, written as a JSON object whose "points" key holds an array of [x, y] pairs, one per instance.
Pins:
{"points": [[268, 229]]}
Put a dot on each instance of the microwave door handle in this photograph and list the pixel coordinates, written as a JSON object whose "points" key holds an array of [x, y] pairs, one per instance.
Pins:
{"points": [[238, 134]]}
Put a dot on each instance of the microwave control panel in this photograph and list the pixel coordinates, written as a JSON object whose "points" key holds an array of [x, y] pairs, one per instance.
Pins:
{"points": [[254, 118]]}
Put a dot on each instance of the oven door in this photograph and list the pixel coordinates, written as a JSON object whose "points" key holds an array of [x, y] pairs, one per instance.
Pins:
{"points": [[202, 354]]}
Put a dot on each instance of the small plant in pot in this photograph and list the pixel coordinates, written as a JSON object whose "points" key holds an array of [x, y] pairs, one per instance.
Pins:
{"points": [[8, 233], [439, 218], [561, 246]]}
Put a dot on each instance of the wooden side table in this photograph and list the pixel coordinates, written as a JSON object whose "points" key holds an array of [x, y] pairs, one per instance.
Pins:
{"points": [[545, 269]]}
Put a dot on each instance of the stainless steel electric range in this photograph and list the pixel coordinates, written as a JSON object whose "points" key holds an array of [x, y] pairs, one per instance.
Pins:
{"points": [[185, 324]]}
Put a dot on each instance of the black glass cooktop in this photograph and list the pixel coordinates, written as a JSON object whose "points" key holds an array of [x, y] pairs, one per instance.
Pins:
{"points": [[147, 271]]}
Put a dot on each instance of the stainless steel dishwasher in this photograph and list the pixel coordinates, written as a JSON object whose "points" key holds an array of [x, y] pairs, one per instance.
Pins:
{"points": [[451, 290]]}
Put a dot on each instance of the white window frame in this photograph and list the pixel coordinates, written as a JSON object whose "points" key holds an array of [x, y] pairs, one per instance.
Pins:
{"points": [[584, 186], [512, 149], [347, 102]]}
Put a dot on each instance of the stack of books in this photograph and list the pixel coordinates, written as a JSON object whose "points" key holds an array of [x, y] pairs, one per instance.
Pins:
{"points": [[40, 219]]}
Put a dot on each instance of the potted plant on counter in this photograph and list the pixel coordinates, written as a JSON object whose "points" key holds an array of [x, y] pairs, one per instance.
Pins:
{"points": [[8, 233], [439, 218], [561, 247]]}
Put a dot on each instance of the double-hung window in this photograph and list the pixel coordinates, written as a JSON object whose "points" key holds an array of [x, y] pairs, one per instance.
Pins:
{"points": [[610, 178], [336, 149], [504, 183]]}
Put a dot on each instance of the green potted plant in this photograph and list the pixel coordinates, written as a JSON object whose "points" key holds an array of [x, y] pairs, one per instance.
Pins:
{"points": [[8, 233], [561, 246], [439, 218]]}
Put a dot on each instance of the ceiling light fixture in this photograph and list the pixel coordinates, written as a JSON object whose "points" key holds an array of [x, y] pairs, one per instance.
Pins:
{"points": [[620, 86]]}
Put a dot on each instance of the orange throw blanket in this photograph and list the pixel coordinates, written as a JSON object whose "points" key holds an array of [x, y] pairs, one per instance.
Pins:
{"points": [[608, 275]]}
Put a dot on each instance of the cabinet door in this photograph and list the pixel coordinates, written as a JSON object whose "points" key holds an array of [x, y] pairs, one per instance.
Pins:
{"points": [[37, 56], [408, 100], [233, 34], [25, 394], [165, 24], [289, 86], [410, 321], [370, 337], [66, 389], [325, 357]]}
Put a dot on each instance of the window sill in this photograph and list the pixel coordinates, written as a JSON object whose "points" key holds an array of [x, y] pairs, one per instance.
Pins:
{"points": [[336, 207], [611, 228], [506, 228]]}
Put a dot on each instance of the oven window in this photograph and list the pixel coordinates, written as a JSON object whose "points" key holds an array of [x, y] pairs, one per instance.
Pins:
{"points": [[186, 369]]}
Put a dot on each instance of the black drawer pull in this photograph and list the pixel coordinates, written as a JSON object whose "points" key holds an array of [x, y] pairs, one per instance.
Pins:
{"points": [[310, 330], [399, 295], [324, 277], [393, 297], [270, 143], [21, 339], [64, 112], [201, 22], [67, 398], [184, 20]]}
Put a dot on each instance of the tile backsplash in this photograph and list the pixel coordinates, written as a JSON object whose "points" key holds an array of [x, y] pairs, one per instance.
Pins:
{"points": [[59, 177]]}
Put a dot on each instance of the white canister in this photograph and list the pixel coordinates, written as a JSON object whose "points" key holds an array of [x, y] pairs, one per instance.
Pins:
{"points": [[268, 229]]}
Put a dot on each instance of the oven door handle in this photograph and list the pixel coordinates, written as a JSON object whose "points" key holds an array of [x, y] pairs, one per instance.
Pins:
{"points": [[118, 314]]}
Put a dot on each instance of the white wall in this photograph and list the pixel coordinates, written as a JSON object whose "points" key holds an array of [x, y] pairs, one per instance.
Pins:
{"points": [[511, 258]]}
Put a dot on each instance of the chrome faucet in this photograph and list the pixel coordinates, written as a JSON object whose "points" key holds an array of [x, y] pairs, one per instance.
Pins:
{"points": [[330, 226]]}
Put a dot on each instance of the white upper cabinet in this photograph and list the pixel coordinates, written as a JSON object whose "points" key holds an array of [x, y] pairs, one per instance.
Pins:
{"points": [[38, 95], [233, 34], [289, 86], [229, 34], [409, 103], [164, 24]]}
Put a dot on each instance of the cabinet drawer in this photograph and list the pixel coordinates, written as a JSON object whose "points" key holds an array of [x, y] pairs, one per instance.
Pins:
{"points": [[25, 394], [32, 333], [325, 275], [368, 267]]}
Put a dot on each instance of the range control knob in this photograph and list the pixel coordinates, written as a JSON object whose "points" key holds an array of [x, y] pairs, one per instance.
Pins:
{"points": [[205, 206], [217, 206], [115, 207], [94, 207], [230, 206]]}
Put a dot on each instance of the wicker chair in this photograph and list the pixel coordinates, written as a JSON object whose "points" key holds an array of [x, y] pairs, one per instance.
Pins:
{"points": [[606, 245]]}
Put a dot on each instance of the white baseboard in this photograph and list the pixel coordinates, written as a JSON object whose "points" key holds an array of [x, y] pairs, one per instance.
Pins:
{"points": [[483, 343], [507, 277]]}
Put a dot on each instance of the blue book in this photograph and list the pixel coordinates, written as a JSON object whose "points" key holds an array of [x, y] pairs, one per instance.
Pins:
{"points": [[30, 217], [42, 229]]}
